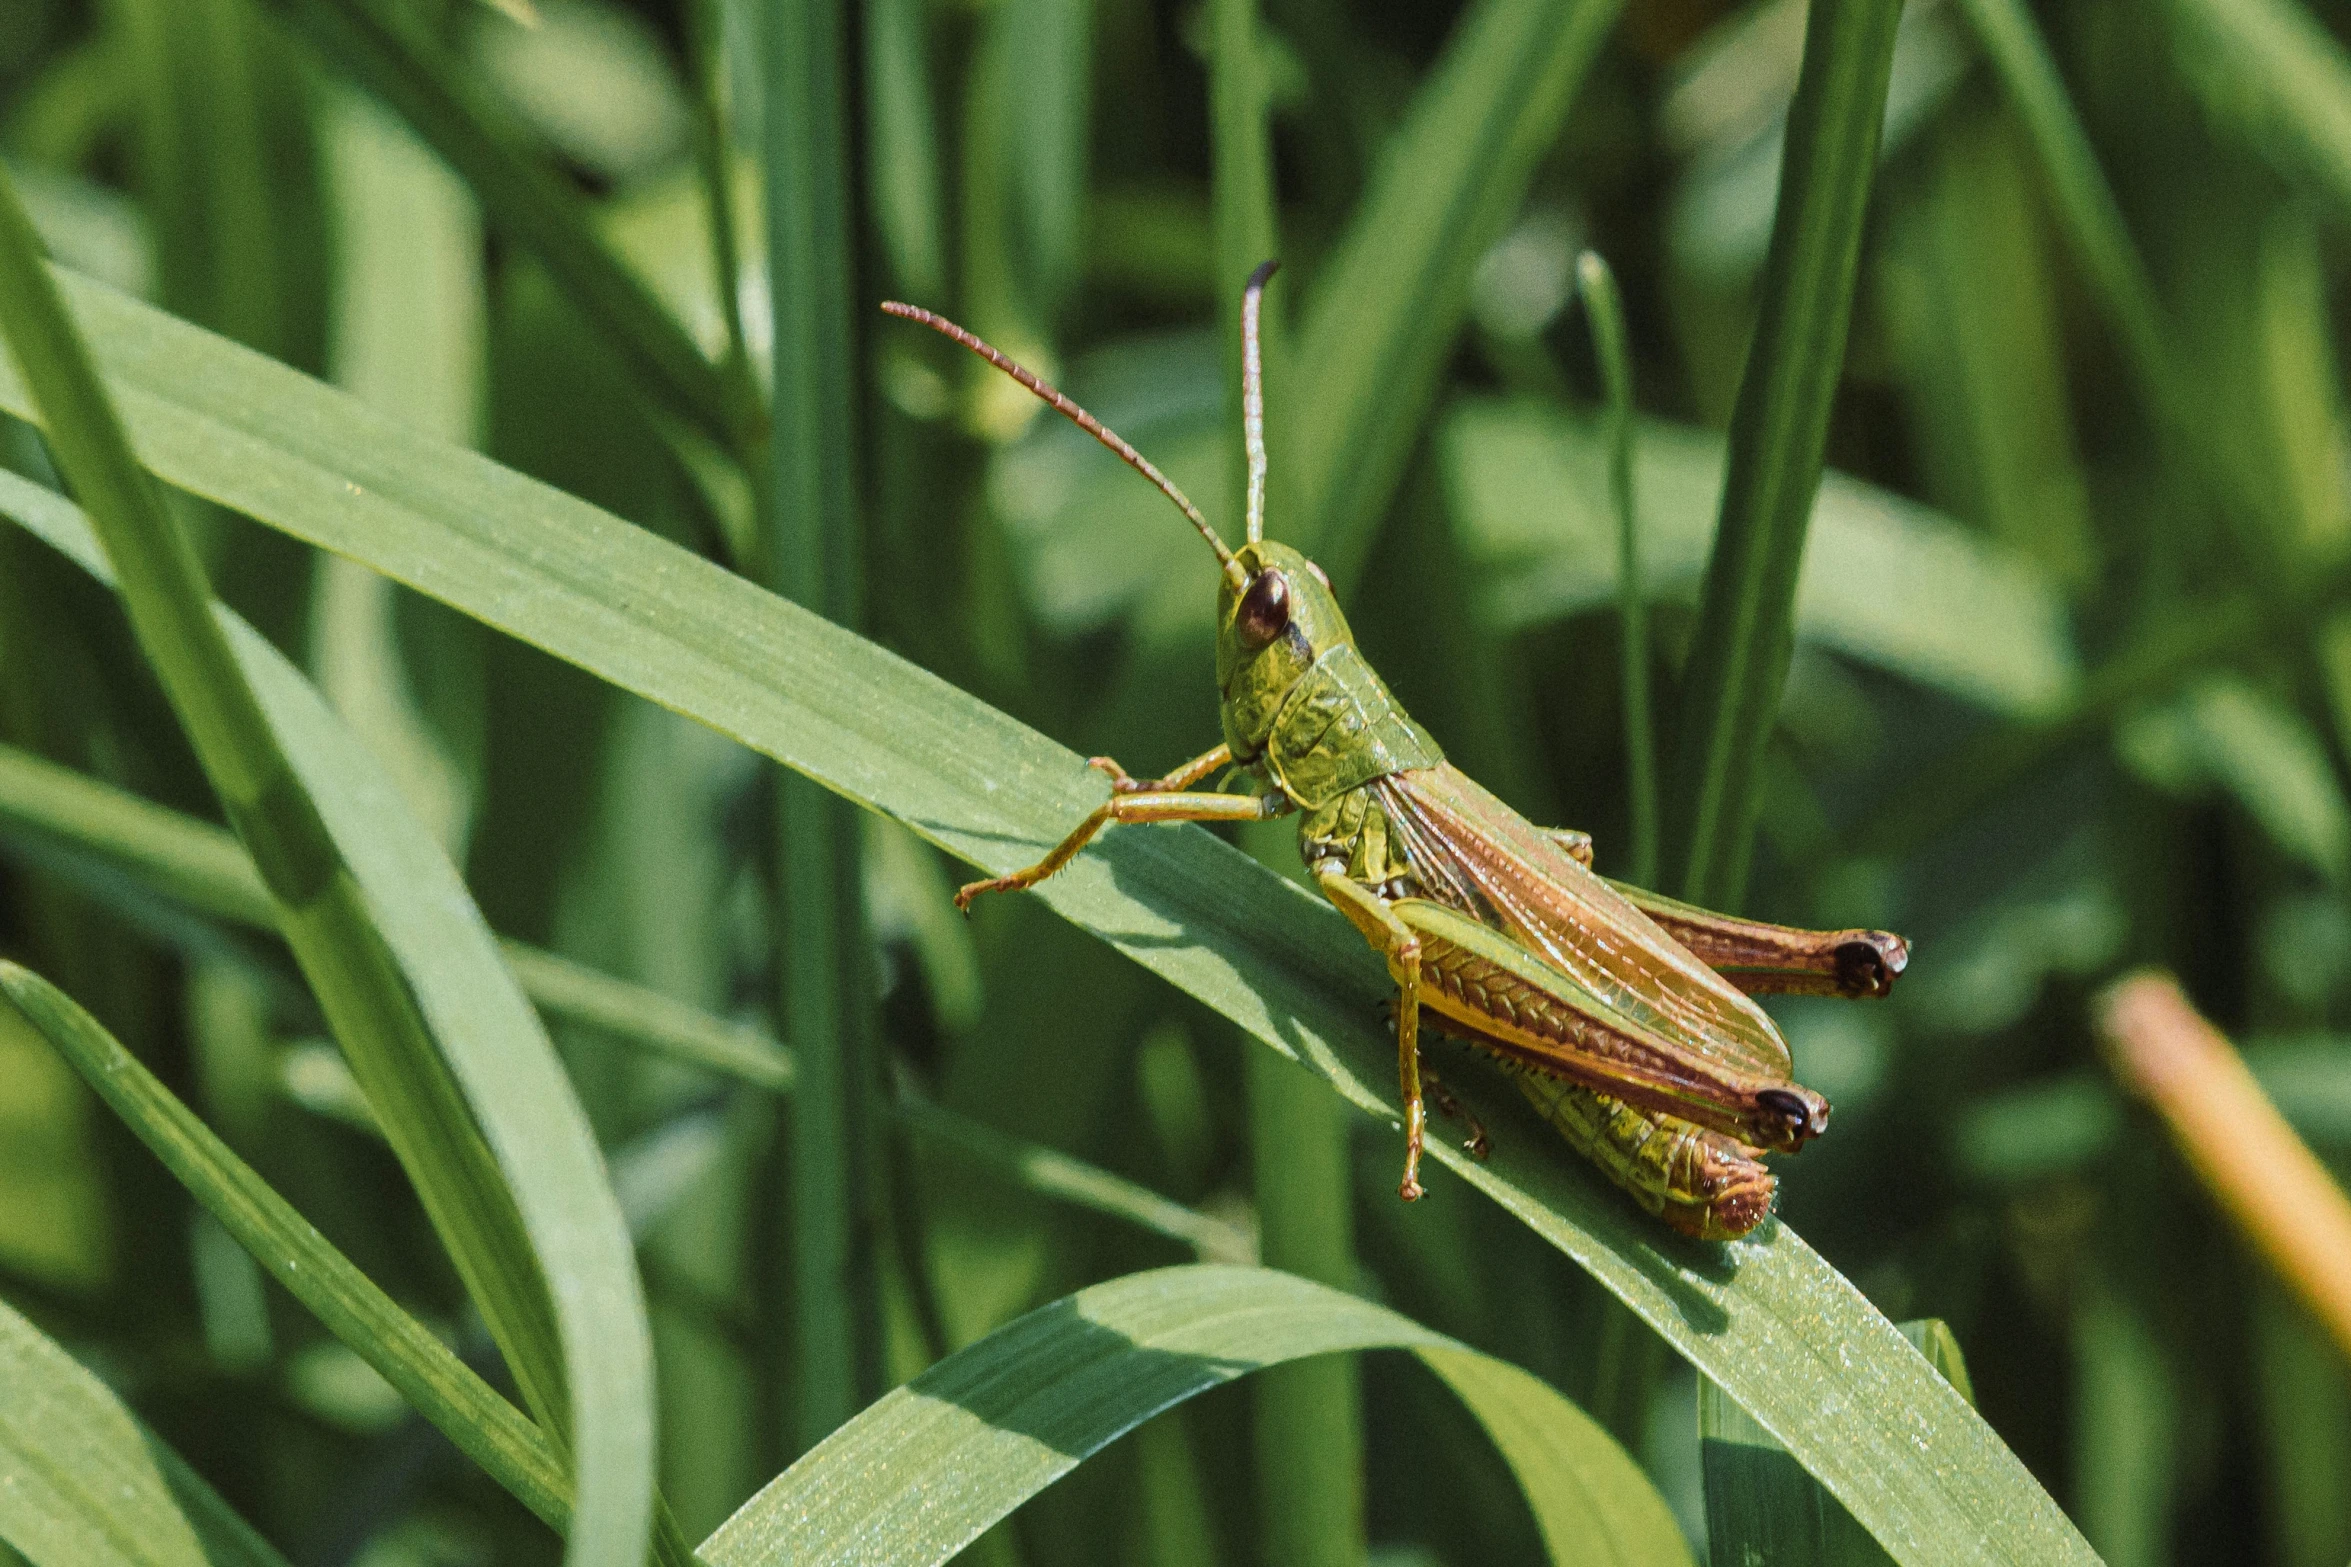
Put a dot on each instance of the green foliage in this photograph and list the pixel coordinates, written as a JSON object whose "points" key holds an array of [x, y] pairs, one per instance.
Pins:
{"points": [[614, 685]]}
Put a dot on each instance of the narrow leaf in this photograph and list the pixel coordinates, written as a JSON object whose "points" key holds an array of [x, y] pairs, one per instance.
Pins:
{"points": [[485, 1427], [396, 954], [84, 1484], [1016, 1411]]}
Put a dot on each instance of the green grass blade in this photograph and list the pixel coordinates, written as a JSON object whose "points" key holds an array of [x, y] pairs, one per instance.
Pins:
{"points": [[1766, 1318], [813, 546], [86, 1485], [1761, 1507], [203, 866], [1021, 1408], [1779, 433], [1387, 305], [387, 960], [1596, 285], [485, 1427], [525, 200]]}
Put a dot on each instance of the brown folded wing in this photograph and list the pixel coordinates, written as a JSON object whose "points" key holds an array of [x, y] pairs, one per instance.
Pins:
{"points": [[1470, 850]]}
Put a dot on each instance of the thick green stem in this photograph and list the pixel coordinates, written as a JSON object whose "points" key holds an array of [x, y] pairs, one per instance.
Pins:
{"points": [[812, 546], [1779, 432]]}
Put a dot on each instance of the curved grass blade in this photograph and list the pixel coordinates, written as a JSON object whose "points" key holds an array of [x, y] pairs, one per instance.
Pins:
{"points": [[203, 866], [1790, 1339], [441, 1387], [1779, 434], [84, 1484], [1387, 305], [1016, 1411], [2278, 79], [527, 202], [380, 925]]}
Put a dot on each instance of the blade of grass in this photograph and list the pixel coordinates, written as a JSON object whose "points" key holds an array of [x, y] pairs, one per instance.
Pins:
{"points": [[813, 548], [203, 866], [441, 1387], [714, 160], [1761, 1507], [1387, 305], [530, 204], [1766, 1318], [88, 1485], [1779, 433], [1016, 1411], [582, 1357], [1596, 286], [1307, 1425]]}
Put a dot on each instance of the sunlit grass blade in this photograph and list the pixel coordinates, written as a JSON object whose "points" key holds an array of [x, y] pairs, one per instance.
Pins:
{"points": [[88, 1486], [1779, 433], [396, 967], [1021, 1408], [1769, 1320], [1762, 1507], [485, 1427], [813, 541], [1386, 305], [525, 200]]}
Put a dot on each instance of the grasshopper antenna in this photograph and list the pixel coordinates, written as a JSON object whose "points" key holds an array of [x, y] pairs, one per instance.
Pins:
{"points": [[1253, 394], [1084, 421]]}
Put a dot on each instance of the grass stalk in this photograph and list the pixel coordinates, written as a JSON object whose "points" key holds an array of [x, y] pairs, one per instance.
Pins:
{"points": [[1778, 435], [812, 553], [1604, 309]]}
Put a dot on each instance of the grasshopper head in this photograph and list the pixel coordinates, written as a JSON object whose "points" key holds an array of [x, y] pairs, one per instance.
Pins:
{"points": [[1271, 625]]}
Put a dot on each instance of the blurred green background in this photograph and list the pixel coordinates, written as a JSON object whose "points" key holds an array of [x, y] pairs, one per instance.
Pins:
{"points": [[2054, 709]]}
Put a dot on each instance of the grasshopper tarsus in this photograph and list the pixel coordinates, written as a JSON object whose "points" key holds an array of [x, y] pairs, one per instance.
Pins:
{"points": [[1476, 1144]]}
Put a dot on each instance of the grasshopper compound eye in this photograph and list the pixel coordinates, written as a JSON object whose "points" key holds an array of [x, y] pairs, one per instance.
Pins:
{"points": [[1265, 610]]}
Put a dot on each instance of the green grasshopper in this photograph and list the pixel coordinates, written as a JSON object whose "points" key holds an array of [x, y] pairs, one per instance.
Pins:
{"points": [[1625, 1016]]}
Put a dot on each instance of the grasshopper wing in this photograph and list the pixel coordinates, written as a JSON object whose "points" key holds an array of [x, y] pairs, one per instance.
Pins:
{"points": [[1470, 850]]}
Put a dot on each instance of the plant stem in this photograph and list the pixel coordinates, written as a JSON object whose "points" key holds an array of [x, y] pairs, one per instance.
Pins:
{"points": [[1605, 310], [812, 551], [1779, 432]]}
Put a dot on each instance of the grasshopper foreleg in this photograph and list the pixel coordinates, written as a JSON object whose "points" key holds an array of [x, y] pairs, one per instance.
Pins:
{"points": [[1477, 1145], [1151, 804], [1184, 777], [1395, 941]]}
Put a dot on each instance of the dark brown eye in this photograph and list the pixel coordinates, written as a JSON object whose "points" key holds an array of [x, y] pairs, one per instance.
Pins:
{"points": [[1265, 610]]}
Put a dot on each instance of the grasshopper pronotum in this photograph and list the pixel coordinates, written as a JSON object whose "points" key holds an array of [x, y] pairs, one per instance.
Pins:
{"points": [[1625, 1016]]}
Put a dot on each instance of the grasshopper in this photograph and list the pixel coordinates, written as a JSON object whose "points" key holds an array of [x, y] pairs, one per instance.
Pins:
{"points": [[1626, 1017]]}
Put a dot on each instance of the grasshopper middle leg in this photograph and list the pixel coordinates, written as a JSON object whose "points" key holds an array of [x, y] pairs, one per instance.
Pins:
{"points": [[1393, 939]]}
